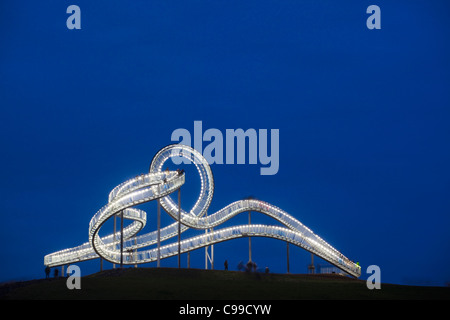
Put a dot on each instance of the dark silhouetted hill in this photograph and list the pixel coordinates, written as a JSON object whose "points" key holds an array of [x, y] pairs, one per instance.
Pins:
{"points": [[196, 284]]}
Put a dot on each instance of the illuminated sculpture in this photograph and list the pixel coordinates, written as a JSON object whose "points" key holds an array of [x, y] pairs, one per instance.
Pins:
{"points": [[157, 185]]}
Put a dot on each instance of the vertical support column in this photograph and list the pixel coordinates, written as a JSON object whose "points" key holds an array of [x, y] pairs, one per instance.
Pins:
{"points": [[101, 264], [121, 239], [135, 252], [189, 259], [209, 256], [62, 271], [206, 247], [158, 262], [311, 266], [212, 254], [206, 252], [114, 236], [179, 227], [249, 238], [287, 255]]}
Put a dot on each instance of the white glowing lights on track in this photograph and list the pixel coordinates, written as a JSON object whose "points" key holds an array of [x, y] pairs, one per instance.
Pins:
{"points": [[158, 184]]}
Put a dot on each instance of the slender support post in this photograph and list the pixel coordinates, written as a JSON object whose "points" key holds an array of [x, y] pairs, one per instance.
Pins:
{"points": [[206, 253], [121, 239], [212, 254], [158, 261], [287, 256], [209, 256], [206, 248], [62, 271], [189, 259], [114, 236], [179, 227], [101, 264], [249, 238], [311, 266], [135, 252]]}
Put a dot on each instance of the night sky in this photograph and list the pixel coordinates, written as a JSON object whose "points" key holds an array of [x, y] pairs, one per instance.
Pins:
{"points": [[363, 117]]}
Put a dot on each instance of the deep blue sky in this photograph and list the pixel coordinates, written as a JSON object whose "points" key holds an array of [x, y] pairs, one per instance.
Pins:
{"points": [[363, 118]]}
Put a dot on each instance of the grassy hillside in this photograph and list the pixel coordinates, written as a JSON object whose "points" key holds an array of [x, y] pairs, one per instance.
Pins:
{"points": [[194, 284]]}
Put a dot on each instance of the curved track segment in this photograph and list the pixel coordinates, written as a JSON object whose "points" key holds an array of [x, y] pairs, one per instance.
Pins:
{"points": [[158, 184]]}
